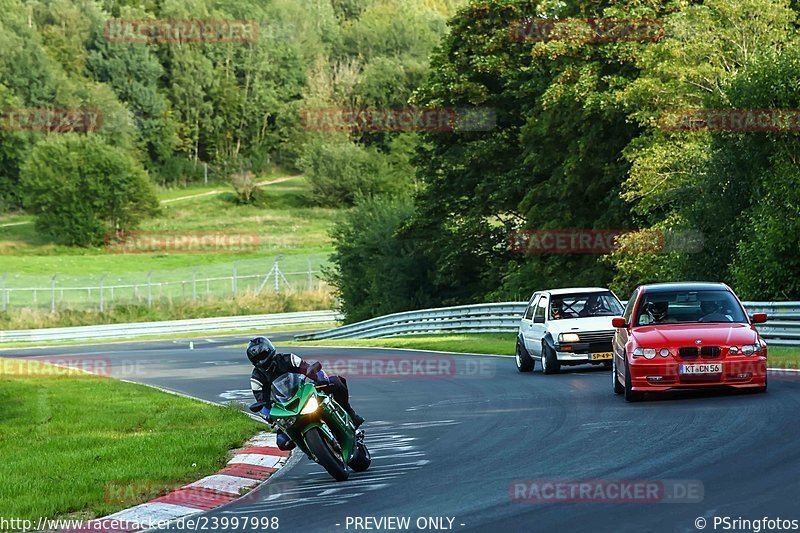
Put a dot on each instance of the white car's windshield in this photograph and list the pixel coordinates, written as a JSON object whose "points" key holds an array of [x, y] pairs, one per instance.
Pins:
{"points": [[679, 307], [581, 305]]}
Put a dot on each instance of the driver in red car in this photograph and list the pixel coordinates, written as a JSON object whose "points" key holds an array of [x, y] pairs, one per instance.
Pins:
{"points": [[658, 312]]}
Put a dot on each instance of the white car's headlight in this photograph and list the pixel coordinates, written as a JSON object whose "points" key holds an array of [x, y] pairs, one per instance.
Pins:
{"points": [[569, 337], [647, 353], [311, 406]]}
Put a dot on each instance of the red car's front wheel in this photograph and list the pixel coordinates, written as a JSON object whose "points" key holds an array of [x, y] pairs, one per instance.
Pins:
{"points": [[630, 394], [618, 388]]}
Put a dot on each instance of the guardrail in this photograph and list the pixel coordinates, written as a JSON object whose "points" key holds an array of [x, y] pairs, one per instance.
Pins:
{"points": [[171, 327], [781, 329]]}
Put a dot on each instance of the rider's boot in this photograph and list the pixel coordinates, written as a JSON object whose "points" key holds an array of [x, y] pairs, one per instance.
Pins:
{"points": [[284, 442], [357, 419]]}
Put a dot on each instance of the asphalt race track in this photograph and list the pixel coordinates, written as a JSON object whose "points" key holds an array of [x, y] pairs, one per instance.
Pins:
{"points": [[451, 445]]}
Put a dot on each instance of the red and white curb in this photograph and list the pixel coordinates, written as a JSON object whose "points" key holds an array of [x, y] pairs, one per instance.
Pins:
{"points": [[249, 467]]}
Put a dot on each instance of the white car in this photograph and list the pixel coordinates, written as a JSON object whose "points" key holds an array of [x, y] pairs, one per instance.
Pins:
{"points": [[567, 327]]}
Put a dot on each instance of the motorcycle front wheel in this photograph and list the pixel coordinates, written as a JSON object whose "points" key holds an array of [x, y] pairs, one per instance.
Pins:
{"points": [[324, 453], [363, 458]]}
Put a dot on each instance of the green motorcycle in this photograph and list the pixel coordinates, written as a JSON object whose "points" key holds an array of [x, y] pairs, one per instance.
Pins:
{"points": [[317, 425]]}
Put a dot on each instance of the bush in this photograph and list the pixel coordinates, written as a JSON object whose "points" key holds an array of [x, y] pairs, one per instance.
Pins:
{"points": [[244, 183], [81, 189], [340, 171], [375, 270]]}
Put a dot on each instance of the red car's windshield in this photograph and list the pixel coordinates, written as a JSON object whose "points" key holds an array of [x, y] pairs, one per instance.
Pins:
{"points": [[679, 307]]}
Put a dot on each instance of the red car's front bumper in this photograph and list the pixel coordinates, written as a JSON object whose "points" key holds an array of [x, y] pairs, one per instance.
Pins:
{"points": [[661, 375]]}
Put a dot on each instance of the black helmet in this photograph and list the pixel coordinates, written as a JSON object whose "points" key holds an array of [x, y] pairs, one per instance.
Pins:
{"points": [[261, 353], [658, 310]]}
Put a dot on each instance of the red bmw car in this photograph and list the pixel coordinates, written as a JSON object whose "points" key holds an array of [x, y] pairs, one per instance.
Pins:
{"points": [[686, 336]]}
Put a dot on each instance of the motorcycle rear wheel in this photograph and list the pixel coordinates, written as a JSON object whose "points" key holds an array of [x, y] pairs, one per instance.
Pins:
{"points": [[321, 449]]}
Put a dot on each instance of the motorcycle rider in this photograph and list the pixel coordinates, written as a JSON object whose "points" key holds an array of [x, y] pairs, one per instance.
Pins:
{"points": [[270, 365]]}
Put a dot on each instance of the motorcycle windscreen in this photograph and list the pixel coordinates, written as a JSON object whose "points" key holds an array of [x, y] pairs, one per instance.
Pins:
{"points": [[285, 387]]}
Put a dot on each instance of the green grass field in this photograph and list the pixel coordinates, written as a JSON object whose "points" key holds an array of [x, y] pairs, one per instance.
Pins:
{"points": [[287, 223], [285, 226], [83, 446]]}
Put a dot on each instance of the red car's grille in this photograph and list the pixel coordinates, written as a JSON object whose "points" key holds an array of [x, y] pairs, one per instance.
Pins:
{"points": [[707, 352], [688, 352]]}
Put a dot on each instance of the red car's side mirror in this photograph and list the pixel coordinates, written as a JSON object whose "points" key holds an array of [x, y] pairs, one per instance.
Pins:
{"points": [[759, 318], [619, 322]]}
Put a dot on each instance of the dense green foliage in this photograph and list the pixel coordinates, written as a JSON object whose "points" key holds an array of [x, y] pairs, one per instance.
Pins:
{"points": [[580, 144], [233, 106], [376, 268]]}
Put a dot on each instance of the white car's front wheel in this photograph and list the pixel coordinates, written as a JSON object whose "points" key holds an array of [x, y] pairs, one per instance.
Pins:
{"points": [[550, 364], [524, 360]]}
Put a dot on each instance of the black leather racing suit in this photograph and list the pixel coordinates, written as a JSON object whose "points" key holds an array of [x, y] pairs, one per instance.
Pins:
{"points": [[261, 382]]}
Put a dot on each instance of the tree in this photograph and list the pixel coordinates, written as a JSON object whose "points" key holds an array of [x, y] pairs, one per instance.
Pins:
{"points": [[704, 181], [81, 189], [375, 269], [551, 162]]}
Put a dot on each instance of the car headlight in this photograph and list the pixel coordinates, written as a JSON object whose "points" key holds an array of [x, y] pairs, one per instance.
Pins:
{"points": [[748, 349], [311, 405], [569, 337], [647, 353], [664, 352], [733, 350]]}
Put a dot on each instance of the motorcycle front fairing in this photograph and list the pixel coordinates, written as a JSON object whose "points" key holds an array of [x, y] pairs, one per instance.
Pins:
{"points": [[293, 400]]}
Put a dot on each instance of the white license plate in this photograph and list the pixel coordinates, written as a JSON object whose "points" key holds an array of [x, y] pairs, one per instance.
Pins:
{"points": [[702, 368]]}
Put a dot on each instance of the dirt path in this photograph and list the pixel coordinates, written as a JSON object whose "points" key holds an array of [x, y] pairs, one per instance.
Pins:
{"points": [[214, 192]]}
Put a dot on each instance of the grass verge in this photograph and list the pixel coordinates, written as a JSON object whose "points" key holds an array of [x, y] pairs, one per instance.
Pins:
{"points": [[488, 343], [246, 304], [158, 337], [80, 446], [502, 344], [783, 357]]}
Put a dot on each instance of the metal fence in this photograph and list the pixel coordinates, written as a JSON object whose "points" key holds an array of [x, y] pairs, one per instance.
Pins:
{"points": [[103, 291], [197, 325], [781, 329]]}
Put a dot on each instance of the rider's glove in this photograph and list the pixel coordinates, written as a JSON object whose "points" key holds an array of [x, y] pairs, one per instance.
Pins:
{"points": [[321, 379]]}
